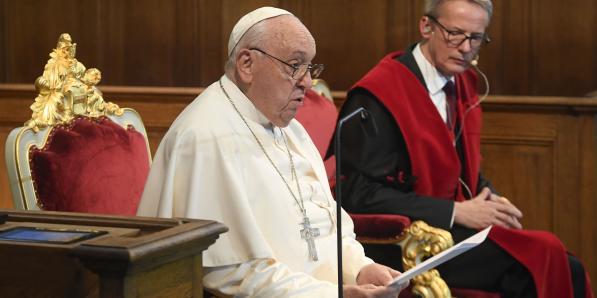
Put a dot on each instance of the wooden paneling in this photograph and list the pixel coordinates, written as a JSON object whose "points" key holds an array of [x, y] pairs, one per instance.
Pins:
{"points": [[3, 41], [540, 153], [5, 194], [509, 67], [539, 47], [340, 40], [563, 40], [526, 178]]}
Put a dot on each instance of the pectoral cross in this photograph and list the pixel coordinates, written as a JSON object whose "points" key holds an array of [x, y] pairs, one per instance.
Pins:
{"points": [[309, 234]]}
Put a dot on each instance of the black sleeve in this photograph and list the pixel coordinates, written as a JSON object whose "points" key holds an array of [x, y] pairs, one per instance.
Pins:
{"points": [[376, 168]]}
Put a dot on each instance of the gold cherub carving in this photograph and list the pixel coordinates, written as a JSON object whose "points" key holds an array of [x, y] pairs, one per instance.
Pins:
{"points": [[66, 88]]}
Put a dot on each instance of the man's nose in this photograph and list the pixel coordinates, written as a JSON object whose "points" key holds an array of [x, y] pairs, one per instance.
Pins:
{"points": [[305, 81], [465, 47]]}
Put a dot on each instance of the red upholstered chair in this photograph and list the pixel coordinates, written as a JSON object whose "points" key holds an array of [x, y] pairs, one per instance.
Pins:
{"points": [[77, 153], [417, 240]]}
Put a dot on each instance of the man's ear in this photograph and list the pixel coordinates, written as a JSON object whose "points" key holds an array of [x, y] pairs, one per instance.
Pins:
{"points": [[425, 27], [245, 66]]}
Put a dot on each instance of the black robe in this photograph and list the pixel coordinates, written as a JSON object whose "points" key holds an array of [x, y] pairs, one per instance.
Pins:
{"points": [[378, 178]]}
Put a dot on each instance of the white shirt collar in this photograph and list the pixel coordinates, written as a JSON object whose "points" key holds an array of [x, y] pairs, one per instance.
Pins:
{"points": [[433, 79]]}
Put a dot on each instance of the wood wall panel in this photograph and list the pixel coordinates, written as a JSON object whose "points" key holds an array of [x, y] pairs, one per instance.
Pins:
{"points": [[3, 44], [538, 150], [539, 47], [509, 67], [30, 26], [208, 43], [540, 153], [562, 37], [5, 194], [351, 38], [526, 179], [588, 202]]}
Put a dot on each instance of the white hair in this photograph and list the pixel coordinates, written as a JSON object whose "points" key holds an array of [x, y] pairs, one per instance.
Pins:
{"points": [[254, 37]]}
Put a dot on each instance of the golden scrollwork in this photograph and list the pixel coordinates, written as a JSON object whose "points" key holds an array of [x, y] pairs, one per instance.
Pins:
{"points": [[66, 88], [423, 241]]}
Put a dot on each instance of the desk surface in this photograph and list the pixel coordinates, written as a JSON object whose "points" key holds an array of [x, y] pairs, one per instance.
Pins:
{"points": [[136, 257]]}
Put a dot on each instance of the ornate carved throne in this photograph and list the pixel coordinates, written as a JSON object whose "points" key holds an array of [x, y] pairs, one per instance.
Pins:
{"points": [[77, 152]]}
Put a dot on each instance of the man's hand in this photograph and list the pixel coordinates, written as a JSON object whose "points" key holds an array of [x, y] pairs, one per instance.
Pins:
{"points": [[372, 281], [487, 209], [376, 274]]}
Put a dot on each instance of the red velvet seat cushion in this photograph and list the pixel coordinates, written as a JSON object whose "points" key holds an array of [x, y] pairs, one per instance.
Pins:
{"points": [[91, 165], [381, 226]]}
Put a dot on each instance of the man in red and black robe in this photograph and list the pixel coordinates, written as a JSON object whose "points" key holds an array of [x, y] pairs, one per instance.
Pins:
{"points": [[425, 161]]}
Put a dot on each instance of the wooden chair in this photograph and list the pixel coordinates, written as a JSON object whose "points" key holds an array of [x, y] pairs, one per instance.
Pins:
{"points": [[78, 152]]}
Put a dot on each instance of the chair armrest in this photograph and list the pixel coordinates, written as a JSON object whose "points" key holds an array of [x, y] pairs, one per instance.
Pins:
{"points": [[418, 241], [379, 228], [421, 242]]}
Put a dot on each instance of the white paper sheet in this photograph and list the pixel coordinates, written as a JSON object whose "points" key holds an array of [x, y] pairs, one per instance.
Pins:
{"points": [[440, 258]]}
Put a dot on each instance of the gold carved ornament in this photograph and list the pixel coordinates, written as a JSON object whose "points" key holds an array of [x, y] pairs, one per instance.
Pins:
{"points": [[66, 89], [423, 241], [418, 242]]}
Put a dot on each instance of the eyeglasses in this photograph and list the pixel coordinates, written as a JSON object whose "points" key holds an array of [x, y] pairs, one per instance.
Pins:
{"points": [[298, 70], [456, 38]]}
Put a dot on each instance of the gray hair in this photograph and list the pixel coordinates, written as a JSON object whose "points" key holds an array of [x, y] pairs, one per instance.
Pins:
{"points": [[255, 36], [432, 6]]}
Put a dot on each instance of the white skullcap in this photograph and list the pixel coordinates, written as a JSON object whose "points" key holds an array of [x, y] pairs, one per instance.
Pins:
{"points": [[250, 19]]}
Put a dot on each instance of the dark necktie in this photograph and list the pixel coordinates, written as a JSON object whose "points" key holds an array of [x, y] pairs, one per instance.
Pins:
{"points": [[451, 110]]}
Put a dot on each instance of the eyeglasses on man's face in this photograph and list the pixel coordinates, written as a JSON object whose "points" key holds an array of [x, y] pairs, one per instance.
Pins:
{"points": [[299, 70], [456, 38]]}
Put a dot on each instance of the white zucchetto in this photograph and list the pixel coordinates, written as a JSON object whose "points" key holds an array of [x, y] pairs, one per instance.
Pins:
{"points": [[249, 20]]}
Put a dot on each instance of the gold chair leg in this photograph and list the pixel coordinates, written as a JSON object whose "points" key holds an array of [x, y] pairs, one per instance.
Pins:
{"points": [[423, 241]]}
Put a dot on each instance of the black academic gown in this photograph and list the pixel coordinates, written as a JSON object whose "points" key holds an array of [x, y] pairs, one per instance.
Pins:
{"points": [[368, 161]]}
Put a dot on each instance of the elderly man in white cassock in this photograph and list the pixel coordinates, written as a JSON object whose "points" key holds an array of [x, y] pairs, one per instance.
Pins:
{"points": [[236, 155]]}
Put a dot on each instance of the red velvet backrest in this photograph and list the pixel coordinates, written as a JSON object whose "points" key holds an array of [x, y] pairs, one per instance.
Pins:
{"points": [[318, 115], [91, 165]]}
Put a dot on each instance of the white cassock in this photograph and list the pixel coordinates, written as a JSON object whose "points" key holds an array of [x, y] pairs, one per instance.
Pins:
{"points": [[210, 166]]}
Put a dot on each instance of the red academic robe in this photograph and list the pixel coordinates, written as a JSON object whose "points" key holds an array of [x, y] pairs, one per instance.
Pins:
{"points": [[436, 164]]}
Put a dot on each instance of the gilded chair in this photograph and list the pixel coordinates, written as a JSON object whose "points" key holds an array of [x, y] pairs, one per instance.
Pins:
{"points": [[77, 153], [417, 240]]}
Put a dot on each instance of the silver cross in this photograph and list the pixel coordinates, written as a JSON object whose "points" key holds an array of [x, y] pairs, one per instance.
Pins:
{"points": [[309, 234]]}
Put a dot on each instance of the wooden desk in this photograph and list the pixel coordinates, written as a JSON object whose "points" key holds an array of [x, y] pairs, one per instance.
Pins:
{"points": [[137, 257]]}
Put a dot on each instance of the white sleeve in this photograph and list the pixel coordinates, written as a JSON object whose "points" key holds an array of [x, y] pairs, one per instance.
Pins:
{"points": [[353, 260], [264, 278], [353, 254]]}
